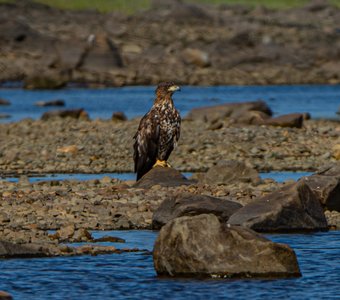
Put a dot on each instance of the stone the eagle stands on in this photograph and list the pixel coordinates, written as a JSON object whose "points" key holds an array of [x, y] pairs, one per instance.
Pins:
{"points": [[158, 131]]}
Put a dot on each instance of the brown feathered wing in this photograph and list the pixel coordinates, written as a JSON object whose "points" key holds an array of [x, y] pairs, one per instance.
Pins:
{"points": [[146, 143]]}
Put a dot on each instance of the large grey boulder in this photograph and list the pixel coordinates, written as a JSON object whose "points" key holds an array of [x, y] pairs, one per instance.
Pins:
{"points": [[291, 208], [187, 204], [230, 171], [326, 189], [202, 246], [228, 110], [167, 177], [325, 184]]}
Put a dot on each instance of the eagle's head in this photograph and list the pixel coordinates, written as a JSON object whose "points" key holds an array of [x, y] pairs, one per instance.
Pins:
{"points": [[165, 88]]}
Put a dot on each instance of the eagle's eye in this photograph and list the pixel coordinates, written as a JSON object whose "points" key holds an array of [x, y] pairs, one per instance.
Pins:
{"points": [[173, 88]]}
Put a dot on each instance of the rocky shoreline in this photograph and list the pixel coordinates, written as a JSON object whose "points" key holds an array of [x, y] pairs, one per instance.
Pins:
{"points": [[199, 44], [225, 146], [74, 146]]}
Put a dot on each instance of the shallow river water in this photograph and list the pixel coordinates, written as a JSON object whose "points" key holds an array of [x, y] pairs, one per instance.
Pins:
{"points": [[321, 101], [132, 276]]}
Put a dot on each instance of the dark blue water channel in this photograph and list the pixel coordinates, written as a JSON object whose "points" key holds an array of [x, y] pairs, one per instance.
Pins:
{"points": [[321, 101], [132, 276]]}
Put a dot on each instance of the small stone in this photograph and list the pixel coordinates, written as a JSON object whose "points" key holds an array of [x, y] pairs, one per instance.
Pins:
{"points": [[73, 149], [336, 151], [118, 116]]}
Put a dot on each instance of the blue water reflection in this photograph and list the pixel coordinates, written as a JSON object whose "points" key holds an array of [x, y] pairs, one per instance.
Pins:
{"points": [[132, 276], [322, 101]]}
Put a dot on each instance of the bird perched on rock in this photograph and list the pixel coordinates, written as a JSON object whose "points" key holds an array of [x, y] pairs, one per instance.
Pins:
{"points": [[158, 131]]}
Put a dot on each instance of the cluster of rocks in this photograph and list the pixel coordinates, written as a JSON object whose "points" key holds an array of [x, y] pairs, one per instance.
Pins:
{"points": [[225, 200], [234, 250], [165, 198], [204, 44]]}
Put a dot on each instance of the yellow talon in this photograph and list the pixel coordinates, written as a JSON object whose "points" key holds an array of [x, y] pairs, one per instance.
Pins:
{"points": [[161, 163]]}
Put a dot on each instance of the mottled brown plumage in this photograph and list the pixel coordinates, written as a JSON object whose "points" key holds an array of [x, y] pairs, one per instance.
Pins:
{"points": [[158, 131]]}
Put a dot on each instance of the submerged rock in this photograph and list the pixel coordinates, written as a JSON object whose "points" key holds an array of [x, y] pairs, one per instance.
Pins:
{"points": [[201, 246], [190, 205], [291, 208], [163, 177], [11, 250], [57, 102], [4, 102]]}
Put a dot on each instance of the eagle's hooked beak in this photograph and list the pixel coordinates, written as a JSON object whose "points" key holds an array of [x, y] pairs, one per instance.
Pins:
{"points": [[174, 88]]}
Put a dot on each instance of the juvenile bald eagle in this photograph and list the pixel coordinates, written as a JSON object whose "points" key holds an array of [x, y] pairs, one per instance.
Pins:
{"points": [[158, 131]]}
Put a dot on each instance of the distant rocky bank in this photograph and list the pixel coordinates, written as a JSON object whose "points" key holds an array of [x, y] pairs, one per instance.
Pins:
{"points": [[189, 43]]}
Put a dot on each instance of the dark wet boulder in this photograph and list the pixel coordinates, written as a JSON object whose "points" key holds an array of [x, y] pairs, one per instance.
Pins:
{"points": [[202, 246], [57, 102], [68, 113], [5, 296], [292, 208], [289, 120], [230, 171], [109, 239], [162, 176], [4, 102], [325, 184], [11, 250], [118, 116], [187, 204], [228, 110], [326, 189]]}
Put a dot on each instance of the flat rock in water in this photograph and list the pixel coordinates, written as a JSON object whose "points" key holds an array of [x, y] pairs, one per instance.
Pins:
{"points": [[188, 204], [50, 103], [212, 113], [289, 120], [67, 113], [231, 171], [167, 177], [201, 246], [291, 208], [11, 250]]}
